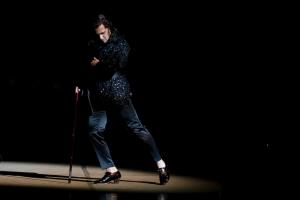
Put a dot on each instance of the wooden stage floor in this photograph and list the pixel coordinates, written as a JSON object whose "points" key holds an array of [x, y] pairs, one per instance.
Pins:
{"points": [[55, 177]]}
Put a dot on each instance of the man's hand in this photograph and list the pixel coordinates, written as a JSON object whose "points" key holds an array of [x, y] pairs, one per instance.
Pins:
{"points": [[77, 90], [95, 61]]}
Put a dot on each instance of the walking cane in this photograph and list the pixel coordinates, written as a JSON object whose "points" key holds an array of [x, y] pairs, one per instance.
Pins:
{"points": [[77, 90]]}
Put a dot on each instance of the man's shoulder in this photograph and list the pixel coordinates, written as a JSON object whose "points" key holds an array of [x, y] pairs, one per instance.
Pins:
{"points": [[121, 41]]}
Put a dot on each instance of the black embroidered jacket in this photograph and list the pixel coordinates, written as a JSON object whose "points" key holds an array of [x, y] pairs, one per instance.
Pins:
{"points": [[107, 81]]}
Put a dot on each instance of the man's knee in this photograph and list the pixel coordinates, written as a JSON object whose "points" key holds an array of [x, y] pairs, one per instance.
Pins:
{"points": [[97, 134]]}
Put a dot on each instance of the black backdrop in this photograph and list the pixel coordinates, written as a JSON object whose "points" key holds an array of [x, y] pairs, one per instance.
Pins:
{"points": [[192, 70]]}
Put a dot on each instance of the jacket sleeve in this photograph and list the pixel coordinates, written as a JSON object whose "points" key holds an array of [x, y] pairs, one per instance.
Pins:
{"points": [[116, 56]]}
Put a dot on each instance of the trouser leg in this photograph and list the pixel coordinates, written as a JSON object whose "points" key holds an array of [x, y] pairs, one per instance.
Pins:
{"points": [[129, 115], [97, 124]]}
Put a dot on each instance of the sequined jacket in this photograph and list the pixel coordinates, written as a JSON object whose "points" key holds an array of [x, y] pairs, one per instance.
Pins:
{"points": [[107, 82]]}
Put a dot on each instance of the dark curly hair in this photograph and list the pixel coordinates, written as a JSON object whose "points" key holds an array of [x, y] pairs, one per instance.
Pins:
{"points": [[102, 20]]}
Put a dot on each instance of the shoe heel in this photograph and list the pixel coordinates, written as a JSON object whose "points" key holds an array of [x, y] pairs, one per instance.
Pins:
{"points": [[116, 181]]}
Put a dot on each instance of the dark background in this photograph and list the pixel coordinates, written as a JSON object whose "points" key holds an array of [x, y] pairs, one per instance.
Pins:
{"points": [[197, 72]]}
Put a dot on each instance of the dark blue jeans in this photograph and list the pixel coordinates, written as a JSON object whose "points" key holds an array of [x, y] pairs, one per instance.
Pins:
{"points": [[127, 112]]}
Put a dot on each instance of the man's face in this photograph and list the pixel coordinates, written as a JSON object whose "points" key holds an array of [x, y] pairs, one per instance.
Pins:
{"points": [[103, 33]]}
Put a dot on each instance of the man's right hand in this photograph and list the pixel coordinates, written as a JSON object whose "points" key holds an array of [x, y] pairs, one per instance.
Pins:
{"points": [[77, 90], [95, 61]]}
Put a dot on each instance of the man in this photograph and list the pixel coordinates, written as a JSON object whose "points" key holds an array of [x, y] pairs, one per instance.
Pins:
{"points": [[109, 92]]}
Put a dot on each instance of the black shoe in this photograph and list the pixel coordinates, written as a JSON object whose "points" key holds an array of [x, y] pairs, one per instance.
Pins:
{"points": [[110, 177], [164, 175]]}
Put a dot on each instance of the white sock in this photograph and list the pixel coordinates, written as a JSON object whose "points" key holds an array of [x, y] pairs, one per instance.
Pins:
{"points": [[161, 164], [112, 169]]}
